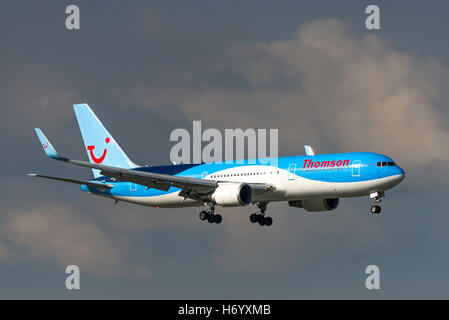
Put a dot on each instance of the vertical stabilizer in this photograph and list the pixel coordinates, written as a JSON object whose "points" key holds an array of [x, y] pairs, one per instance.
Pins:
{"points": [[101, 147]]}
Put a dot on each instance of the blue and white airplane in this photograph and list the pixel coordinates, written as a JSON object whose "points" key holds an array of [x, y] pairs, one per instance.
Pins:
{"points": [[312, 182]]}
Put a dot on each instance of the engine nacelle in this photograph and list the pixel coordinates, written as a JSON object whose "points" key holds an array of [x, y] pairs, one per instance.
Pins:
{"points": [[232, 195], [316, 205]]}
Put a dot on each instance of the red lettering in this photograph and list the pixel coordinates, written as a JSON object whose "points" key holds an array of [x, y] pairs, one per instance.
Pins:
{"points": [[325, 164], [305, 162]]}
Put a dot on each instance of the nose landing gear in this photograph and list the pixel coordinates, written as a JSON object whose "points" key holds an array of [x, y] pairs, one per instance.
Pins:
{"points": [[375, 208]]}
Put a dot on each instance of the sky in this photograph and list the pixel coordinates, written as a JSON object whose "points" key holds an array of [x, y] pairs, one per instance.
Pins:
{"points": [[307, 68]]}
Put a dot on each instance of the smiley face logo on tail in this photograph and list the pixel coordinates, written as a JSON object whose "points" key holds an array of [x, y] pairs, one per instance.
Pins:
{"points": [[45, 145], [95, 159]]}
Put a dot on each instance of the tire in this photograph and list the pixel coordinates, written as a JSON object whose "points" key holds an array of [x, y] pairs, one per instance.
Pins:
{"points": [[218, 218], [268, 221], [261, 221], [211, 218], [203, 215], [253, 218], [375, 209]]}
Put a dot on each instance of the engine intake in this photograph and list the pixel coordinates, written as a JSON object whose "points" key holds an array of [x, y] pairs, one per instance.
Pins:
{"points": [[232, 195], [316, 205]]}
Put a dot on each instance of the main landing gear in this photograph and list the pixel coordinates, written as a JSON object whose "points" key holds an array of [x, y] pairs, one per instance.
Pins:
{"points": [[210, 216], [260, 218], [375, 209]]}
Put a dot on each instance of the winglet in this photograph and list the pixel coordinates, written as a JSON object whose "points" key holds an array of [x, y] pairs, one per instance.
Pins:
{"points": [[48, 148], [309, 150]]}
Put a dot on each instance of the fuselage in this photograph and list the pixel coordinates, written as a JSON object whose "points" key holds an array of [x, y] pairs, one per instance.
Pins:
{"points": [[294, 178]]}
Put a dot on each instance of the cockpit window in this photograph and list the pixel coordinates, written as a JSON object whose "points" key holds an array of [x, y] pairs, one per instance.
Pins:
{"points": [[385, 164]]}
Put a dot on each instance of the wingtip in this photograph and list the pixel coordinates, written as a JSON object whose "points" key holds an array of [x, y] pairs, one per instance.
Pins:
{"points": [[80, 105], [32, 174]]}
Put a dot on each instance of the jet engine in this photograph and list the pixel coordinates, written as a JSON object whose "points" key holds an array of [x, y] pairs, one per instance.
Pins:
{"points": [[316, 205], [232, 195]]}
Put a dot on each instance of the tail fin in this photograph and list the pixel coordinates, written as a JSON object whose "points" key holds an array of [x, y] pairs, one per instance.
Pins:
{"points": [[101, 147]]}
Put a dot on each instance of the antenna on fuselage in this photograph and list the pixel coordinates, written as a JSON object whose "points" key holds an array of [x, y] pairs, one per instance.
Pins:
{"points": [[309, 150]]}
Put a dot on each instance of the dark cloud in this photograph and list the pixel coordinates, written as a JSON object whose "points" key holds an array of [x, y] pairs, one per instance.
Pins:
{"points": [[148, 68]]}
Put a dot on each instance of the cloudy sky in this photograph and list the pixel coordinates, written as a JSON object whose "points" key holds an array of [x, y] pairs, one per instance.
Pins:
{"points": [[307, 68]]}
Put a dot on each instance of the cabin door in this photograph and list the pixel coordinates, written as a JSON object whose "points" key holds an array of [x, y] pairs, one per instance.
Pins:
{"points": [[291, 171], [356, 168]]}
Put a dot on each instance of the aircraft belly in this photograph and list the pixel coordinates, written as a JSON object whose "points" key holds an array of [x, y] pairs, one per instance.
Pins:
{"points": [[297, 189], [171, 200], [309, 189]]}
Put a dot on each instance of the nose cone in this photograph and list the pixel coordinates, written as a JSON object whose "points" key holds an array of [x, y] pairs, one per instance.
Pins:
{"points": [[400, 176]]}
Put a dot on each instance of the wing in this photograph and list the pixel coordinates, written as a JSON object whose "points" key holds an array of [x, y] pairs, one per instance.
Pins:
{"points": [[192, 188]]}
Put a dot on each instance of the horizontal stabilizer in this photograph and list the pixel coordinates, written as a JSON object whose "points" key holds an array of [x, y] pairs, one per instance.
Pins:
{"points": [[101, 186]]}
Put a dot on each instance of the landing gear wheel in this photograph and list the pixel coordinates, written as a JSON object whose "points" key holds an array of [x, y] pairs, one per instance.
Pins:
{"points": [[211, 218], [261, 218], [203, 215], [268, 221], [375, 209], [253, 218], [218, 218]]}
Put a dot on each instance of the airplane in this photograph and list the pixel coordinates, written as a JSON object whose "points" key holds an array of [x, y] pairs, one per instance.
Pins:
{"points": [[314, 182]]}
